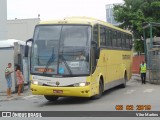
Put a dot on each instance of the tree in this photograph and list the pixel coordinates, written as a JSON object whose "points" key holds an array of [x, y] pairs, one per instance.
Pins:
{"points": [[139, 46], [133, 13]]}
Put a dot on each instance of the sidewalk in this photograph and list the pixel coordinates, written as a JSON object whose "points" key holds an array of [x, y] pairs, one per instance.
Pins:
{"points": [[138, 78], [3, 95]]}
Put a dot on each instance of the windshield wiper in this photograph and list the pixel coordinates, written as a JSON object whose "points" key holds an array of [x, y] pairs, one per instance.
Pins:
{"points": [[67, 66], [49, 61]]}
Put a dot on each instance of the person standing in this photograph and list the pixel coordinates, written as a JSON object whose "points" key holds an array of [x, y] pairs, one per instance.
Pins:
{"points": [[8, 72], [143, 70], [20, 80], [80, 57]]}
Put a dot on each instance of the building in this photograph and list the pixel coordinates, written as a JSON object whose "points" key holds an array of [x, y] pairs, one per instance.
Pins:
{"points": [[21, 29], [12, 51], [109, 14], [3, 19]]}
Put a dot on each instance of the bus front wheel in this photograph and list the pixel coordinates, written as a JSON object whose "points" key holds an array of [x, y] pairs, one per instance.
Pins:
{"points": [[51, 98], [100, 91]]}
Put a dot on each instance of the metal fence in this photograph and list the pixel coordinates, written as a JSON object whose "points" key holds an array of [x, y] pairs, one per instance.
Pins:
{"points": [[153, 58], [152, 53]]}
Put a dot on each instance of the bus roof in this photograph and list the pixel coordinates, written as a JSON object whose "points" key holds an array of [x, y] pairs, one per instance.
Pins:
{"points": [[83, 20], [10, 43]]}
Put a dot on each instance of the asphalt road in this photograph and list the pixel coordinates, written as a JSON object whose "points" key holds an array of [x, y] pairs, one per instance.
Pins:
{"points": [[134, 94]]}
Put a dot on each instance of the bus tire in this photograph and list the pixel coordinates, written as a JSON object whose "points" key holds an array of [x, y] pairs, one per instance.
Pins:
{"points": [[51, 98], [125, 80], [100, 91]]}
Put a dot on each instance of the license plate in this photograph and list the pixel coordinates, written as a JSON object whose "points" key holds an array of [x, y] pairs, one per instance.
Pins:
{"points": [[58, 91]]}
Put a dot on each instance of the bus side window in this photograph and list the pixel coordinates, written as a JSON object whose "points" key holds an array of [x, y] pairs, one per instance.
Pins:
{"points": [[114, 40], [95, 34], [124, 41], [130, 41], [110, 38], [127, 42], [119, 40], [102, 36], [107, 37]]}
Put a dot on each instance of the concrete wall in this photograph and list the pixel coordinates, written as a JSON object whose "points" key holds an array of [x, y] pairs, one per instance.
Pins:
{"points": [[21, 29], [3, 19]]}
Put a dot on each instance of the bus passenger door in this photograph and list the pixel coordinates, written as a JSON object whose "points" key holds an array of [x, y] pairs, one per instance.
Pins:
{"points": [[94, 69]]}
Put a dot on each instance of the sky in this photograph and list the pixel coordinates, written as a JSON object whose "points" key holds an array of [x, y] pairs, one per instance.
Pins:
{"points": [[55, 9]]}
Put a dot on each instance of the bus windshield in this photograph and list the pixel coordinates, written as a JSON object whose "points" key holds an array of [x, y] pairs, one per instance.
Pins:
{"points": [[61, 50]]}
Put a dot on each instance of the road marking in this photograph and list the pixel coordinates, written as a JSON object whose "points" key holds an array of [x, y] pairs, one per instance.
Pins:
{"points": [[30, 96], [148, 90], [130, 91]]}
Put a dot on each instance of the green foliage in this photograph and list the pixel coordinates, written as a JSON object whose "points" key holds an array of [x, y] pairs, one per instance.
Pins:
{"points": [[135, 12], [139, 46]]}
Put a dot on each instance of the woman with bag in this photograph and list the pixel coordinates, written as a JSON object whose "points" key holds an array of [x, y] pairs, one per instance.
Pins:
{"points": [[20, 79]]}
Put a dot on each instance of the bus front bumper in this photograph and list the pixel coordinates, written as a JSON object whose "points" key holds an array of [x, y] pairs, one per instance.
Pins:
{"points": [[61, 91]]}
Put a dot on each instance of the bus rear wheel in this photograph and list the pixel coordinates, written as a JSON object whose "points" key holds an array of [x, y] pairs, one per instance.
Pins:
{"points": [[100, 91], [125, 80], [51, 98]]}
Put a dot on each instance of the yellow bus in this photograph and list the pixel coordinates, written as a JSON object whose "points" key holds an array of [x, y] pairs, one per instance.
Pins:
{"points": [[79, 57]]}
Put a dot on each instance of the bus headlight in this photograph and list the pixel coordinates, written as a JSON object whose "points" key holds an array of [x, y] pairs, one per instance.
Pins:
{"points": [[35, 82], [81, 84]]}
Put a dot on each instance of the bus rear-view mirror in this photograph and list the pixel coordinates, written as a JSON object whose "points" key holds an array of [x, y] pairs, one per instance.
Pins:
{"points": [[26, 51], [27, 47]]}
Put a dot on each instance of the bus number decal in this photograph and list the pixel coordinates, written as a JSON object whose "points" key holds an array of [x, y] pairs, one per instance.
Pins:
{"points": [[74, 64]]}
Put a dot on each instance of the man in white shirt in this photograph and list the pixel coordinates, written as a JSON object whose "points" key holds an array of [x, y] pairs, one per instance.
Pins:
{"points": [[8, 72]]}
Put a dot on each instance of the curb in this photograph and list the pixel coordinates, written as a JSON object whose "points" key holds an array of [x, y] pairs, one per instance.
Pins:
{"points": [[137, 77], [3, 96]]}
